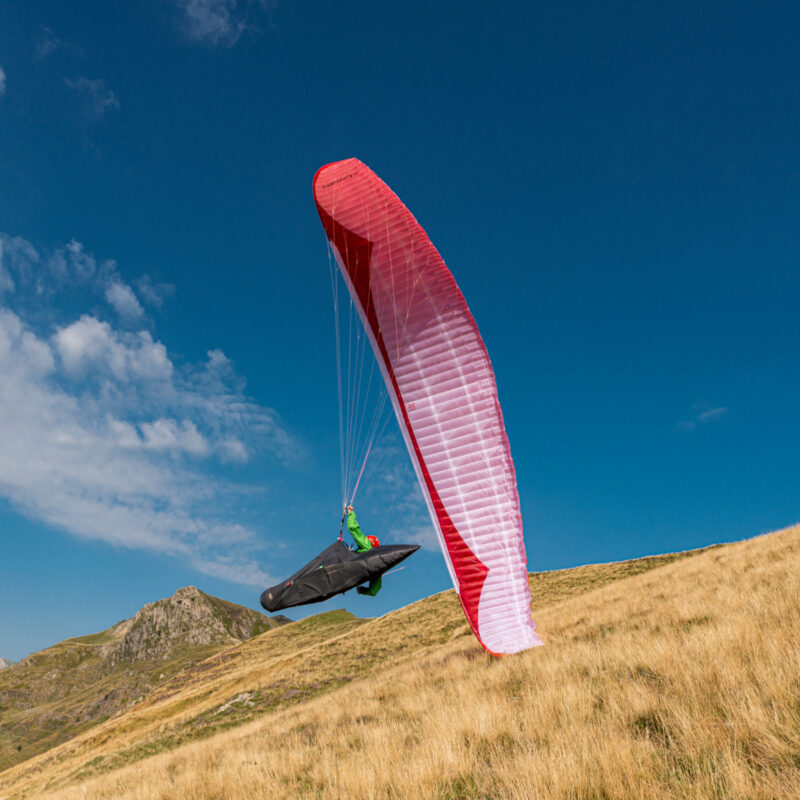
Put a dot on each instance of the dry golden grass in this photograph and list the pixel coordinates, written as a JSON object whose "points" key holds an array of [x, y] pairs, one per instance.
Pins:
{"points": [[680, 682]]}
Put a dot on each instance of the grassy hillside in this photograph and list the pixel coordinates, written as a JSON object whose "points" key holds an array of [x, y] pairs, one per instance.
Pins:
{"points": [[53, 695], [674, 676]]}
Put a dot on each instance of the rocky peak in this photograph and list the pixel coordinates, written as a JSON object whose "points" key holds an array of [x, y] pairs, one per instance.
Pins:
{"points": [[189, 618]]}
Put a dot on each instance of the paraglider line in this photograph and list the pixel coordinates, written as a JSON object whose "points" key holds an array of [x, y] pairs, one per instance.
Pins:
{"points": [[393, 570], [355, 489]]}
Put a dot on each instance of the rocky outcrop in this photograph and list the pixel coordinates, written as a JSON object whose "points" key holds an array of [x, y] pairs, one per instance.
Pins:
{"points": [[4, 662], [190, 618], [50, 695]]}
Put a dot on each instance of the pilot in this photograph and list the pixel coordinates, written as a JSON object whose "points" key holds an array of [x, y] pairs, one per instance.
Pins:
{"points": [[363, 543]]}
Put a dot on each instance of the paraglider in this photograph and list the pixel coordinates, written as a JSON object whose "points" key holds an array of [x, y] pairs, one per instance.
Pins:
{"points": [[335, 570], [339, 568], [443, 392]]}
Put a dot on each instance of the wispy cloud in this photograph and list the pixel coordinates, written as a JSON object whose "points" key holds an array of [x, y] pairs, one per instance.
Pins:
{"points": [[46, 43], [153, 293], [123, 299], [711, 414], [103, 435], [2, 81], [702, 416], [73, 270], [219, 22], [17, 256], [95, 97], [424, 535]]}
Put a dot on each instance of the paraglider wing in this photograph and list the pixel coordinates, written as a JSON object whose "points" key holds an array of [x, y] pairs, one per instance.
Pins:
{"points": [[443, 390], [335, 570]]}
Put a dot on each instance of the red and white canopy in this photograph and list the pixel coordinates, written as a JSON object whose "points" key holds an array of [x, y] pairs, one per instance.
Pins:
{"points": [[443, 389]]}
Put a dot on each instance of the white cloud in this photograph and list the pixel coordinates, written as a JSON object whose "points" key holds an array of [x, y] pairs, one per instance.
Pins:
{"points": [[46, 43], [2, 82], [123, 299], [69, 269], [233, 450], [96, 98], [702, 418], [17, 257], [124, 433], [711, 414], [152, 293], [423, 535], [6, 281], [211, 21], [15, 339], [92, 346], [219, 22], [167, 434], [102, 435], [83, 264], [236, 572]]}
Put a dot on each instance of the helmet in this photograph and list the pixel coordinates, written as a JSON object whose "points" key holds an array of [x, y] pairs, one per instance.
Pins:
{"points": [[374, 541]]}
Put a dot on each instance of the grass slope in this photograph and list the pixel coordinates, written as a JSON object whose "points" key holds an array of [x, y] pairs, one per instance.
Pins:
{"points": [[69, 688], [413, 683]]}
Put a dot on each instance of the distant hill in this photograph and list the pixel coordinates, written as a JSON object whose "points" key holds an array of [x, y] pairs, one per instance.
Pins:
{"points": [[52, 695], [4, 662]]}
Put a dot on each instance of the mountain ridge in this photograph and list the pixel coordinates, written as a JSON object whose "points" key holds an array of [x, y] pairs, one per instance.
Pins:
{"points": [[53, 694]]}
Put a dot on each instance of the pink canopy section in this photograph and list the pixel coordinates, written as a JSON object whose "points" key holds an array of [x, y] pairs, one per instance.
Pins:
{"points": [[443, 390]]}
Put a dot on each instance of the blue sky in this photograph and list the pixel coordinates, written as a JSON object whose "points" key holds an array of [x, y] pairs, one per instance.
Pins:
{"points": [[614, 186]]}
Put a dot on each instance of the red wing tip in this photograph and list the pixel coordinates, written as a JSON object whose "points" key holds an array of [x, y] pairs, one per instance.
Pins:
{"points": [[331, 164]]}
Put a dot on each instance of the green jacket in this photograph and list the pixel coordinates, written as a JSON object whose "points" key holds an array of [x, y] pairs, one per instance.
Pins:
{"points": [[362, 545]]}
